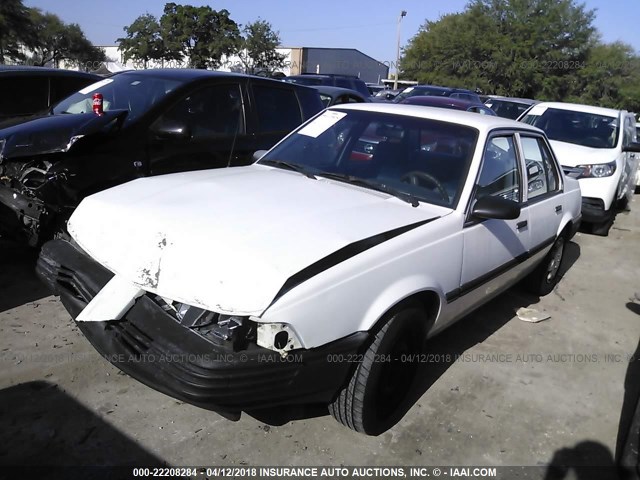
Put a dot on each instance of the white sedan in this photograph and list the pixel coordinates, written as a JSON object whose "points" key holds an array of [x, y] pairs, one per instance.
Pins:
{"points": [[317, 273]]}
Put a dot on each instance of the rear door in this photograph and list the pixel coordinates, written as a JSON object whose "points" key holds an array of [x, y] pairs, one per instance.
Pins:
{"points": [[543, 197], [276, 112], [206, 128]]}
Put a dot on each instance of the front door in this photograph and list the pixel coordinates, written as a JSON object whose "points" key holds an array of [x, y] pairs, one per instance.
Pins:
{"points": [[205, 129], [493, 249]]}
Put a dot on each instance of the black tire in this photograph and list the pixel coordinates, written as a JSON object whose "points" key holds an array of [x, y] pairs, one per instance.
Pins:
{"points": [[372, 401], [546, 275]]}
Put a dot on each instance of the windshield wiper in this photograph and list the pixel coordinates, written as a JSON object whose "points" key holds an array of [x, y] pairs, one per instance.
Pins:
{"points": [[289, 166], [381, 187]]}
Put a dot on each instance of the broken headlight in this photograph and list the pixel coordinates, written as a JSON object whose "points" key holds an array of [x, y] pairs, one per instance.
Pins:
{"points": [[237, 330]]}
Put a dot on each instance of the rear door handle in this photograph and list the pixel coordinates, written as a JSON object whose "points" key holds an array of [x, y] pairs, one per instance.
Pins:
{"points": [[558, 208], [521, 225]]}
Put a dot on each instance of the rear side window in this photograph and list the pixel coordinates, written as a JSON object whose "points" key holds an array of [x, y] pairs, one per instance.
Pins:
{"points": [[14, 102], [542, 176], [277, 109], [344, 83]]}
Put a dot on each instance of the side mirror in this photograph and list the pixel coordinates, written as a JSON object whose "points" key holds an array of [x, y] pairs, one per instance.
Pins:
{"points": [[497, 208], [389, 96], [258, 154], [172, 130], [632, 147]]}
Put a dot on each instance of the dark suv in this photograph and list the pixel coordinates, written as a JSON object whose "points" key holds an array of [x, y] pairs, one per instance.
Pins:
{"points": [[154, 122], [343, 81], [27, 91]]}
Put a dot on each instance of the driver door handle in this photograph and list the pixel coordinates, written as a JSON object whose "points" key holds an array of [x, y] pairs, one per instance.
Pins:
{"points": [[521, 225]]}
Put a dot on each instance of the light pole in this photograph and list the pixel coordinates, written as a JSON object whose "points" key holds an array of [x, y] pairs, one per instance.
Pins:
{"points": [[403, 13]]}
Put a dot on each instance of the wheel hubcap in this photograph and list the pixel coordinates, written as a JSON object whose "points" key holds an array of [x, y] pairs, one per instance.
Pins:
{"points": [[554, 264]]}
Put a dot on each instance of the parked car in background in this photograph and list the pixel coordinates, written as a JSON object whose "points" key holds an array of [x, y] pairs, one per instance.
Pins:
{"points": [[26, 91], [451, 103], [638, 168], [386, 95], [375, 88], [434, 91], [343, 81], [336, 96], [315, 275], [597, 146], [509, 107], [154, 122]]}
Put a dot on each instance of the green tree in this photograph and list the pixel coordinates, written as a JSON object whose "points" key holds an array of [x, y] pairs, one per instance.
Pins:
{"points": [[16, 30], [610, 78], [258, 52], [201, 34], [510, 47], [55, 41], [143, 41]]}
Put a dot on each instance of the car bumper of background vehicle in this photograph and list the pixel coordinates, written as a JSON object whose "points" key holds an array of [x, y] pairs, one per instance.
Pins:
{"points": [[19, 215], [593, 210], [151, 346]]}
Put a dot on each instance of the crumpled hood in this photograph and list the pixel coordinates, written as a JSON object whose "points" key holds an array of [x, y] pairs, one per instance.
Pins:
{"points": [[227, 240], [571, 155], [52, 133]]}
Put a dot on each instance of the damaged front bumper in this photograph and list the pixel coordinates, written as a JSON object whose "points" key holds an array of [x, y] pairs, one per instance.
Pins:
{"points": [[21, 215], [150, 344]]}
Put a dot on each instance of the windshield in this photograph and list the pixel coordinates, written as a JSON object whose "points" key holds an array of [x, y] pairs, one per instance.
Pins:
{"points": [[126, 91], [412, 157], [579, 128]]}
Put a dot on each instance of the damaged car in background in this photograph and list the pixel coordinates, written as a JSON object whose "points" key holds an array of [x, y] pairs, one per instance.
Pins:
{"points": [[136, 124], [316, 274]]}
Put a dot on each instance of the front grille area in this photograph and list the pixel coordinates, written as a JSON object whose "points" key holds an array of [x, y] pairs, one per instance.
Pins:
{"points": [[152, 346]]}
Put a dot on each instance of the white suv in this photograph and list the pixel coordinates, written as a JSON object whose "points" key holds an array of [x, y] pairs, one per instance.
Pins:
{"points": [[597, 146]]}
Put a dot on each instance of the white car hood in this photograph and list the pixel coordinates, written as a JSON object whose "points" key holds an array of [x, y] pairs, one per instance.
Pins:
{"points": [[571, 155], [227, 240]]}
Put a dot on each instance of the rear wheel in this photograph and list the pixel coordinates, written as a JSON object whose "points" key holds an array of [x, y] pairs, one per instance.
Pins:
{"points": [[371, 402], [545, 277]]}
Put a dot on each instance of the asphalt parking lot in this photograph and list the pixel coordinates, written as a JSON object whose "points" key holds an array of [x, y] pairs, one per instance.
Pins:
{"points": [[495, 391]]}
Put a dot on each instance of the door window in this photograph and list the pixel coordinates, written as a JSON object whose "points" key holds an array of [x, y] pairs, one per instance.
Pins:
{"points": [[211, 112], [14, 102], [542, 175], [499, 174], [278, 109]]}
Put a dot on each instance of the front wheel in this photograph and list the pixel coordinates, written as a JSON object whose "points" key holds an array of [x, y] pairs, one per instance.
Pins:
{"points": [[371, 402], [546, 275]]}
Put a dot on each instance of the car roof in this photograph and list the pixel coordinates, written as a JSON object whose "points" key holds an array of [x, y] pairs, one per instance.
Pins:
{"points": [[483, 123], [443, 89], [186, 73], [577, 107], [330, 90], [28, 69], [427, 100]]}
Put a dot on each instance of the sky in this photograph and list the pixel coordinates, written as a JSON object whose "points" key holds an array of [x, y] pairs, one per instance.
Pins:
{"points": [[369, 26]]}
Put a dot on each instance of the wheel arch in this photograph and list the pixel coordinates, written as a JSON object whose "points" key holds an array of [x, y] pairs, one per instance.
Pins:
{"points": [[428, 295]]}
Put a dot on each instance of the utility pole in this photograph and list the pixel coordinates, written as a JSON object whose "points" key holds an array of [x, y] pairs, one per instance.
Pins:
{"points": [[403, 13]]}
